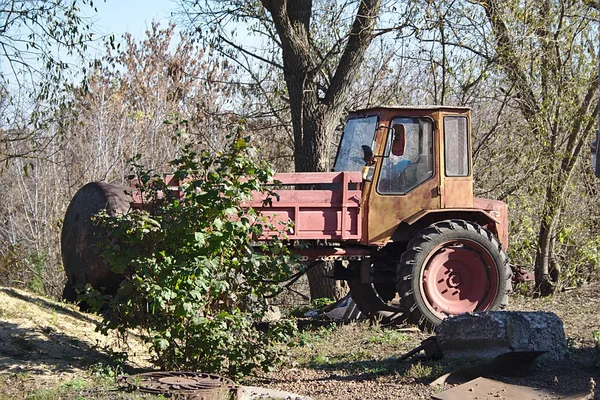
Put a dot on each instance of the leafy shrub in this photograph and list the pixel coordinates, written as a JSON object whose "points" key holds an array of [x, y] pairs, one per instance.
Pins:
{"points": [[195, 280]]}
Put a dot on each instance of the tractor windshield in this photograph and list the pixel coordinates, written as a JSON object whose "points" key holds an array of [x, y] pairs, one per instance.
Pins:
{"points": [[358, 132]]}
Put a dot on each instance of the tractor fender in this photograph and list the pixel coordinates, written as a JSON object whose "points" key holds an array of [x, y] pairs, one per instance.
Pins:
{"points": [[494, 219]]}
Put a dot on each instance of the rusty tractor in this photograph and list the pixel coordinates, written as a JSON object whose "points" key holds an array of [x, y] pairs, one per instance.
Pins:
{"points": [[397, 215]]}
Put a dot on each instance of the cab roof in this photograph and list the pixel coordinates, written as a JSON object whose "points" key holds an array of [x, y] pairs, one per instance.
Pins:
{"points": [[406, 108]]}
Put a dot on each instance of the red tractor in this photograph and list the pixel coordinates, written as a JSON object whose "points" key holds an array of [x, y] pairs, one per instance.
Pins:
{"points": [[398, 214]]}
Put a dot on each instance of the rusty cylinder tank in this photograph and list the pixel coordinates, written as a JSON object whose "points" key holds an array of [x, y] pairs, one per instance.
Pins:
{"points": [[80, 235]]}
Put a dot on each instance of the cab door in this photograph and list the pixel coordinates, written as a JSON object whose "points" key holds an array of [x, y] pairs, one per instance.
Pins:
{"points": [[406, 181]]}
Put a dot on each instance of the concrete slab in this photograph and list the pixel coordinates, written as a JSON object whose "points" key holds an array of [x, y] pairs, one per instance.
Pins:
{"points": [[489, 389], [259, 393], [489, 334]]}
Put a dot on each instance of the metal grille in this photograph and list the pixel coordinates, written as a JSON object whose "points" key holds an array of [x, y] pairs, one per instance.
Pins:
{"points": [[187, 385]]}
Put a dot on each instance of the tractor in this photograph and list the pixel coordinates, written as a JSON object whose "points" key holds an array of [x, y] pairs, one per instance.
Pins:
{"points": [[397, 215]]}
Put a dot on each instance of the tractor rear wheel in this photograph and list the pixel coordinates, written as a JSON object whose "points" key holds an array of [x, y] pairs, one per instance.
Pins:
{"points": [[452, 267], [378, 299]]}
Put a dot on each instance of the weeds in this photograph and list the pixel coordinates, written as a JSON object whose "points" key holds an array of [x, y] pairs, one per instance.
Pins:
{"points": [[419, 371], [66, 390], [387, 336], [310, 337]]}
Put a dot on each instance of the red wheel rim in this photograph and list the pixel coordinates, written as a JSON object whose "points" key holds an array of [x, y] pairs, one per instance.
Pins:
{"points": [[459, 277]]}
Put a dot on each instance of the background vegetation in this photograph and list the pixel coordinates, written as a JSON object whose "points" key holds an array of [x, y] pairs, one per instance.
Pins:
{"points": [[529, 70]]}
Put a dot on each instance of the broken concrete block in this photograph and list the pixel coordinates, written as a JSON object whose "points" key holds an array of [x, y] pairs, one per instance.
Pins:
{"points": [[489, 334]]}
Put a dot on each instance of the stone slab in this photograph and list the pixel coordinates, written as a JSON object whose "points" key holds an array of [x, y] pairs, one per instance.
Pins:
{"points": [[259, 393], [489, 334]]}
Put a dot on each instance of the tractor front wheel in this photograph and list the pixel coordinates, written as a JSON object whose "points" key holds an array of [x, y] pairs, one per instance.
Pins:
{"points": [[452, 267]]}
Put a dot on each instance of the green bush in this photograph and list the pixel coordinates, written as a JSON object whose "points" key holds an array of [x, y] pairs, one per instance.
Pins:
{"points": [[195, 278]]}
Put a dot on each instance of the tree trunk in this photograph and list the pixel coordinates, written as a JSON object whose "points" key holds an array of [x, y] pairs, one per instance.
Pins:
{"points": [[323, 287], [315, 111], [545, 280]]}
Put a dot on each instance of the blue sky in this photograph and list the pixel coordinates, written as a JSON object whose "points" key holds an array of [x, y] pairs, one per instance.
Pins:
{"points": [[133, 16]]}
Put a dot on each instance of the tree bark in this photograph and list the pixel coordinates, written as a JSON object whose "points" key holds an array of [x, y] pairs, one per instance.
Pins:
{"points": [[321, 286], [545, 278], [316, 111]]}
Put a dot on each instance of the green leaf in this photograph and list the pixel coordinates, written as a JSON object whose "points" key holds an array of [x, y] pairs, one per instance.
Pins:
{"points": [[200, 238]]}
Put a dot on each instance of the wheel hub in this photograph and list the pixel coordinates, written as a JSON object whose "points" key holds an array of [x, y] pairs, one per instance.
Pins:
{"points": [[457, 279], [454, 280]]}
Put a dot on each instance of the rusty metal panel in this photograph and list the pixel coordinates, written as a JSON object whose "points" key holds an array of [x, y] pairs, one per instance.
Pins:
{"points": [[322, 205], [499, 210], [332, 213], [457, 193], [188, 385], [489, 389]]}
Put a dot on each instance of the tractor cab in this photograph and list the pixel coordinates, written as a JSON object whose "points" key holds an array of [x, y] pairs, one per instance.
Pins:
{"points": [[416, 162]]}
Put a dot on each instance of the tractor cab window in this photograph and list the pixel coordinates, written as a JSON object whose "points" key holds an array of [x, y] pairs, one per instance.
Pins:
{"points": [[456, 146], [358, 132], [404, 170]]}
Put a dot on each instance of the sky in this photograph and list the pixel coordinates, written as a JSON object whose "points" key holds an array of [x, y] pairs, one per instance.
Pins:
{"points": [[133, 16], [115, 17]]}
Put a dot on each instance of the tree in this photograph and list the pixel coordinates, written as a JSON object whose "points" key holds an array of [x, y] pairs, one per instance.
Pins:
{"points": [[36, 37], [547, 51], [318, 73], [319, 65], [543, 59], [132, 91], [121, 110]]}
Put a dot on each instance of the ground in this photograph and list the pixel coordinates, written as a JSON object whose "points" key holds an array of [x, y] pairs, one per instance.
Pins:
{"points": [[49, 350]]}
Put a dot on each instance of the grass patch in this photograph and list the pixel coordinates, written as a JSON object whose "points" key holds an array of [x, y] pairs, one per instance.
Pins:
{"points": [[71, 389], [419, 371], [357, 346], [387, 336], [320, 334], [319, 361], [75, 384]]}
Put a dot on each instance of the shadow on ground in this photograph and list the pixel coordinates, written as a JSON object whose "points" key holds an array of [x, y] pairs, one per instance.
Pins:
{"points": [[42, 337], [573, 375], [42, 350]]}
